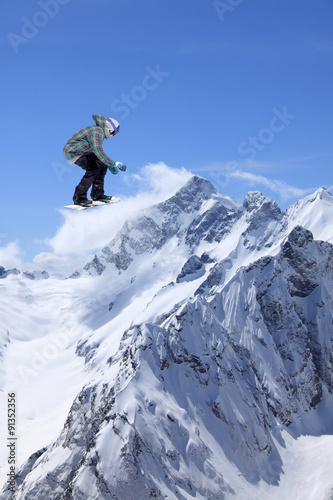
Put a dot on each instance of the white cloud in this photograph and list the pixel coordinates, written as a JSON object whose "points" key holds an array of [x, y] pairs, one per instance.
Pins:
{"points": [[158, 181], [10, 255]]}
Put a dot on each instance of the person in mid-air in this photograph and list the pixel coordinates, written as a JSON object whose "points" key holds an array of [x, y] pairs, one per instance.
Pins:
{"points": [[85, 148]]}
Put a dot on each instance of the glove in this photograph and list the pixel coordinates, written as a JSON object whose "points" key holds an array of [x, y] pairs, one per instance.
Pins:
{"points": [[112, 169], [121, 166]]}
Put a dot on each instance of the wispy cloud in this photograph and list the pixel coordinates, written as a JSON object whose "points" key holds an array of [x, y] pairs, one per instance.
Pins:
{"points": [[225, 173], [284, 190]]}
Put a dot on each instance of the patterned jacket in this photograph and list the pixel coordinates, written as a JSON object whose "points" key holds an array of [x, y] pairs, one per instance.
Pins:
{"points": [[90, 140]]}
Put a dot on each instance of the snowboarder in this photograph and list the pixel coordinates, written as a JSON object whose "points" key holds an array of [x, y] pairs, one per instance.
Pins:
{"points": [[85, 148]]}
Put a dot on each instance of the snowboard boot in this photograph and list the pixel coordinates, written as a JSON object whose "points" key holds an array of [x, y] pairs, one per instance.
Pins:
{"points": [[104, 198], [83, 202]]}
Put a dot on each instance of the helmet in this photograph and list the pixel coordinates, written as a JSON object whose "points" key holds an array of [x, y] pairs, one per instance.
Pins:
{"points": [[111, 126]]}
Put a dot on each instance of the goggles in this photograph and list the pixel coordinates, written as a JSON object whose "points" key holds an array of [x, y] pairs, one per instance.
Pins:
{"points": [[115, 128]]}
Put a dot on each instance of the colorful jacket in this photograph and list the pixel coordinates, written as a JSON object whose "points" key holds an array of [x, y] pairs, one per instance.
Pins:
{"points": [[90, 140]]}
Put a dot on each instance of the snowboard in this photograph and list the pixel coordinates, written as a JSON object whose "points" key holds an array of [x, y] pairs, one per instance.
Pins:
{"points": [[114, 199]]}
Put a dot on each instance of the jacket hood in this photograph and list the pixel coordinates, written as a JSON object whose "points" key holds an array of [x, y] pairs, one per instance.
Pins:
{"points": [[101, 122]]}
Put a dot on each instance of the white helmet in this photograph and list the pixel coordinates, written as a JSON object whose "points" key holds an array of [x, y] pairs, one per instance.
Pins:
{"points": [[111, 126]]}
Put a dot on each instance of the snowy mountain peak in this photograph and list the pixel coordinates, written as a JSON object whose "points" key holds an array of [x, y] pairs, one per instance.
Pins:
{"points": [[323, 194], [194, 195], [190, 197], [197, 185], [314, 212], [255, 202]]}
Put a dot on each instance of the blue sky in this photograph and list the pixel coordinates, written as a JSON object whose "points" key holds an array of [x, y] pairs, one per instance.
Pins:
{"points": [[237, 91]]}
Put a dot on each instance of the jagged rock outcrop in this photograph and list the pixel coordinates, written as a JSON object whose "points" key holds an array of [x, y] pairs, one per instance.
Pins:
{"points": [[4, 273]]}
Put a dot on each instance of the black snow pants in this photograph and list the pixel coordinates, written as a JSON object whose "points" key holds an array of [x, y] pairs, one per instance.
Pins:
{"points": [[94, 176]]}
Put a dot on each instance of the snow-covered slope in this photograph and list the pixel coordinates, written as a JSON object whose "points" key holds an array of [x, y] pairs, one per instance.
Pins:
{"points": [[191, 358]]}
